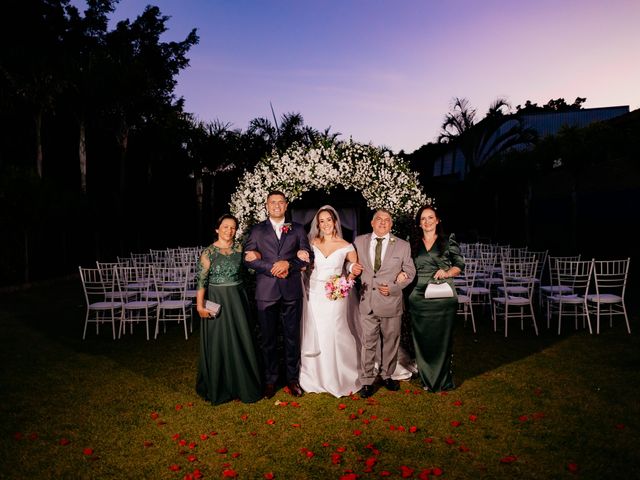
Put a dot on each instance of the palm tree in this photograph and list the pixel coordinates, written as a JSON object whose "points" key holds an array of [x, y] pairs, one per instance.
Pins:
{"points": [[481, 142]]}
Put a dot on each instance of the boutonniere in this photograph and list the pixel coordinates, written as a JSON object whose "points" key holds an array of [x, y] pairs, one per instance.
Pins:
{"points": [[286, 228], [392, 240]]}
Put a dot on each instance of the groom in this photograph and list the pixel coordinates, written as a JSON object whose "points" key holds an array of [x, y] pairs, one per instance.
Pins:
{"points": [[278, 289], [381, 256]]}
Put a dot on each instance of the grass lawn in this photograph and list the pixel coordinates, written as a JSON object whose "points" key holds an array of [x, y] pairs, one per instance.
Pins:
{"points": [[525, 407]]}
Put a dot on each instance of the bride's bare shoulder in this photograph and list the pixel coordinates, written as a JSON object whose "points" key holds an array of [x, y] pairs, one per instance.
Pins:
{"points": [[341, 242]]}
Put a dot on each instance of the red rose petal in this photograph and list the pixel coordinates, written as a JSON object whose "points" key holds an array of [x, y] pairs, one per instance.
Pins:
{"points": [[325, 444], [336, 458], [523, 418], [223, 450], [341, 449], [406, 472], [428, 440], [457, 403], [455, 423], [508, 459], [349, 476], [192, 458], [235, 454], [175, 436], [295, 404], [147, 443], [473, 418], [620, 426], [203, 436], [463, 448], [64, 441], [450, 441], [572, 467], [269, 476], [154, 415], [182, 442], [295, 425], [174, 468], [178, 407], [271, 421], [87, 451], [17, 435], [436, 471], [357, 433], [229, 473], [424, 474], [33, 436], [244, 416], [385, 473], [192, 445], [342, 406], [309, 454]]}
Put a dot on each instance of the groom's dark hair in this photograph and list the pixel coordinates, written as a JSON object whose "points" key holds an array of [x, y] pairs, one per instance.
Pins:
{"points": [[277, 192]]}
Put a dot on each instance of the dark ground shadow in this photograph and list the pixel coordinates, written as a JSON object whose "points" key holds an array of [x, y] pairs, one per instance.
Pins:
{"points": [[56, 310]]}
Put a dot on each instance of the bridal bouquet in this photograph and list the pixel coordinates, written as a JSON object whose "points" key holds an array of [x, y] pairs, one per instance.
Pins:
{"points": [[338, 287]]}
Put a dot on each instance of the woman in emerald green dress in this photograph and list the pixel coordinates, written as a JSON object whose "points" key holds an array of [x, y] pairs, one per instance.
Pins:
{"points": [[228, 367], [436, 257]]}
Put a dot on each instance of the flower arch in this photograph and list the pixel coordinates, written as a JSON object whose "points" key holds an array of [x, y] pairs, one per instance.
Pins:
{"points": [[383, 180]]}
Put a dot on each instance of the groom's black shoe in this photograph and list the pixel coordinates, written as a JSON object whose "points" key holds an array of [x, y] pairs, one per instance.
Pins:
{"points": [[366, 391], [269, 390], [392, 384]]}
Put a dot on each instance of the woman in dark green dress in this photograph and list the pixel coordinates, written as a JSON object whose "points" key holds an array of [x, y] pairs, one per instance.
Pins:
{"points": [[436, 257], [228, 367]]}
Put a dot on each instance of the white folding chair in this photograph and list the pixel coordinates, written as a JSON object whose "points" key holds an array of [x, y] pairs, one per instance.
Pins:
{"points": [[517, 294], [573, 278], [465, 305], [103, 305], [177, 309], [610, 279], [135, 280], [107, 271], [552, 287]]}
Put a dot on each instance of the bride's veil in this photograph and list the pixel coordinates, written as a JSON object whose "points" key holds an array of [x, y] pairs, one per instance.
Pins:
{"points": [[315, 230]]}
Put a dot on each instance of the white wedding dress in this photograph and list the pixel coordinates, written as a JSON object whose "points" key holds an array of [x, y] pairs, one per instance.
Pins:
{"points": [[330, 353]]}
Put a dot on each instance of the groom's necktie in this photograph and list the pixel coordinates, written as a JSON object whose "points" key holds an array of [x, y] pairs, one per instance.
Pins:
{"points": [[378, 260]]}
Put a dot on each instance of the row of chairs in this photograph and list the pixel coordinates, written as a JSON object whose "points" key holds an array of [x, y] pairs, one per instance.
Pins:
{"points": [[577, 288], [126, 296]]}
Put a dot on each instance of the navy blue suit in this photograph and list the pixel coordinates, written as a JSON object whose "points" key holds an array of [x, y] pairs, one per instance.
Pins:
{"points": [[278, 298]]}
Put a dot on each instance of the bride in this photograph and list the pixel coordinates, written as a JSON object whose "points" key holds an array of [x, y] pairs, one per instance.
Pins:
{"points": [[329, 360]]}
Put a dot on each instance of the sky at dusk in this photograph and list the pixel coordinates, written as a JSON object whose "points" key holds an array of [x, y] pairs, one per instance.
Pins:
{"points": [[385, 72]]}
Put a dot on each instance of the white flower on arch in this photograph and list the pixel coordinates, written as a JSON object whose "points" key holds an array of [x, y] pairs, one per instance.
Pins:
{"points": [[383, 180]]}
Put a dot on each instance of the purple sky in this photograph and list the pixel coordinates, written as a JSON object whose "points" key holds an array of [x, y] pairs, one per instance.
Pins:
{"points": [[385, 71]]}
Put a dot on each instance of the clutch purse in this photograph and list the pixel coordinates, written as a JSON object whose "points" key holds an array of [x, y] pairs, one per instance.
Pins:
{"points": [[212, 307], [438, 290]]}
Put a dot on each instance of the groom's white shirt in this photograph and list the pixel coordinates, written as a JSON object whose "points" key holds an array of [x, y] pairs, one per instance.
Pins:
{"points": [[277, 227]]}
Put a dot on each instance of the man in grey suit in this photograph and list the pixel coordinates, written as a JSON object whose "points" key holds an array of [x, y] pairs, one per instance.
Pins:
{"points": [[381, 257]]}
